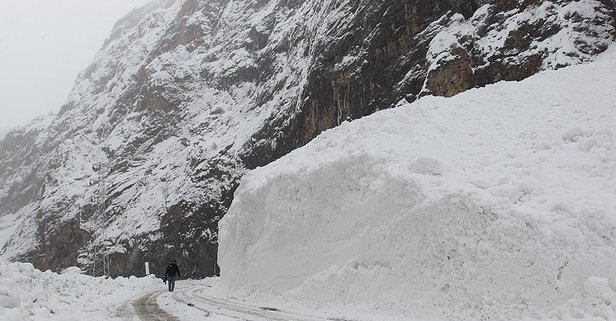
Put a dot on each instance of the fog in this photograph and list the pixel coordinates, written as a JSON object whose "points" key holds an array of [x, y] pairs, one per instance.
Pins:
{"points": [[43, 46]]}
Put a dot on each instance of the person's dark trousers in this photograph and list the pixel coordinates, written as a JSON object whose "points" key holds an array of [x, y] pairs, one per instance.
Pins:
{"points": [[171, 281]]}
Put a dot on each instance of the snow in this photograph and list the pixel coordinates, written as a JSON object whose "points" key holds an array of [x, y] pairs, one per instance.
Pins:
{"points": [[498, 203], [447, 39], [29, 294], [471, 176], [10, 222]]}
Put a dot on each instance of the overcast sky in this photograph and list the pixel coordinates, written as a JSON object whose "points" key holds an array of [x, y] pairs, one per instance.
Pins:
{"points": [[44, 44]]}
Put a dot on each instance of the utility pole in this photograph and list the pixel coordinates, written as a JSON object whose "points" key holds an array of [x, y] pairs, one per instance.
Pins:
{"points": [[100, 257]]}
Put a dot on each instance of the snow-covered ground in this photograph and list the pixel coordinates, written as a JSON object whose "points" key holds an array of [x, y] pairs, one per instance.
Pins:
{"points": [[29, 294], [496, 204]]}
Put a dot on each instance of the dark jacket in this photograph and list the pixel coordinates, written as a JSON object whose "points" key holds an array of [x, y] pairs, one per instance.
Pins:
{"points": [[172, 270]]}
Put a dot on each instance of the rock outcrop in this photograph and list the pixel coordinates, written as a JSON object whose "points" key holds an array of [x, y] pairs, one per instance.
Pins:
{"points": [[186, 96]]}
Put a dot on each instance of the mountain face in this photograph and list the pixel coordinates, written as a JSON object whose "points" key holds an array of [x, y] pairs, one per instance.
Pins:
{"points": [[186, 96]]}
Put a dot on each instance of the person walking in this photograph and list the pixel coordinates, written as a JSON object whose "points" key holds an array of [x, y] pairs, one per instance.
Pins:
{"points": [[172, 274]]}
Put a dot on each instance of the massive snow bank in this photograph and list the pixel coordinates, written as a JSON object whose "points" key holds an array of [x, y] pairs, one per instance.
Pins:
{"points": [[498, 203], [29, 294]]}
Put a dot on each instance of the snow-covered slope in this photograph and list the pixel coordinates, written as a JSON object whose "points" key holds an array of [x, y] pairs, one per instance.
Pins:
{"points": [[188, 95], [29, 294], [496, 204]]}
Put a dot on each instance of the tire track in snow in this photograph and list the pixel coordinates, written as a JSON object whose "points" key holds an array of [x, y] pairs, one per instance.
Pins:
{"points": [[147, 308], [201, 301], [190, 304]]}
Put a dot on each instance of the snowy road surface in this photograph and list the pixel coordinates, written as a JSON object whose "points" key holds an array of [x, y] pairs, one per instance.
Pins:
{"points": [[147, 308], [197, 300], [144, 308]]}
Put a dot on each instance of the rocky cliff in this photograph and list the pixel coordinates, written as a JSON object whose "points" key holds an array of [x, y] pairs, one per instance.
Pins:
{"points": [[188, 95]]}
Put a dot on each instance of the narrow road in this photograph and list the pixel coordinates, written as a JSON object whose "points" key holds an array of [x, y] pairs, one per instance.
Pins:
{"points": [[194, 301], [144, 308], [147, 308], [236, 310]]}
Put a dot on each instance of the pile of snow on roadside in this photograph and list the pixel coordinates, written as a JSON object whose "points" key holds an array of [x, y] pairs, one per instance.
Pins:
{"points": [[498, 203], [29, 294]]}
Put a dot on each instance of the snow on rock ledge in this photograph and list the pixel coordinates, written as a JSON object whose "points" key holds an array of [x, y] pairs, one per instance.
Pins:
{"points": [[497, 203]]}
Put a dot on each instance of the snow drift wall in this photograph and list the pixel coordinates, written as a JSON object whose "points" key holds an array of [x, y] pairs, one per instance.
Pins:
{"points": [[497, 203]]}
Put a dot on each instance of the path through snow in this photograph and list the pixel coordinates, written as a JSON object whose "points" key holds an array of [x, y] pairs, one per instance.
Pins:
{"points": [[199, 300], [196, 301]]}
